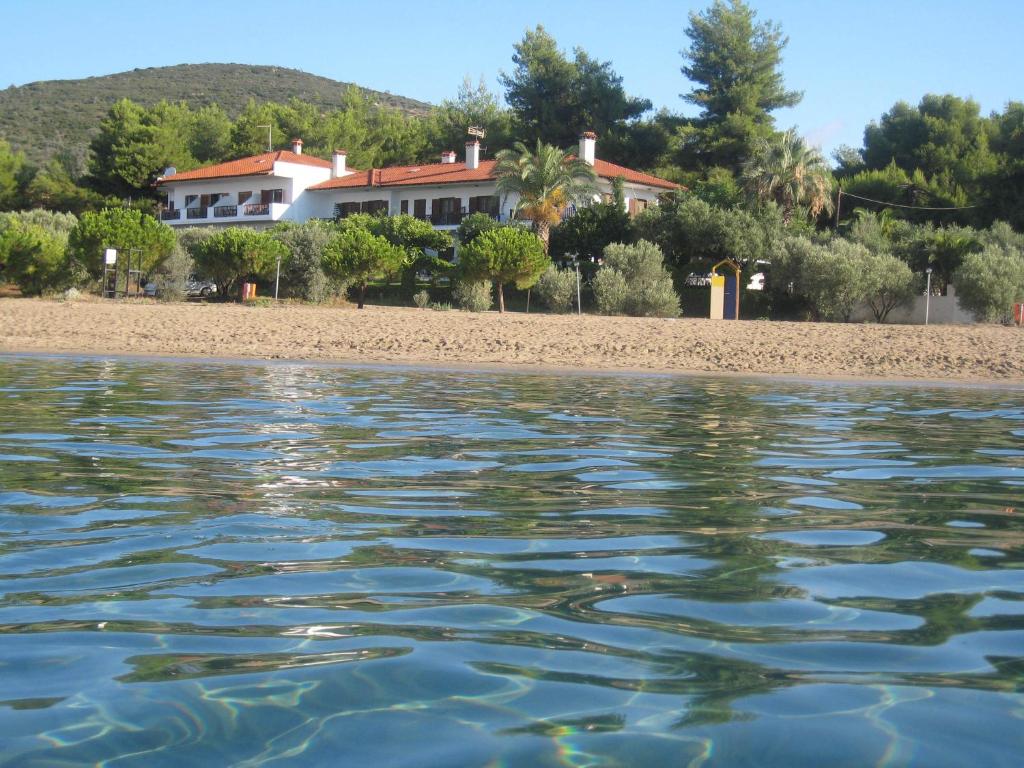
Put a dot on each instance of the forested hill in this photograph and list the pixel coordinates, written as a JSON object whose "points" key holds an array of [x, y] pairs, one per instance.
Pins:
{"points": [[49, 116]]}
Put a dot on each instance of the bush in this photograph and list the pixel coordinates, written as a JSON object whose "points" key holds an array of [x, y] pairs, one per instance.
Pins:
{"points": [[989, 283], [645, 289], [473, 295], [610, 292], [505, 255], [231, 255], [303, 276], [171, 276], [421, 299], [36, 260], [557, 289], [136, 236]]}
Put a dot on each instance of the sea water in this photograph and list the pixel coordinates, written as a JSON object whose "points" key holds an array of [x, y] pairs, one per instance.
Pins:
{"points": [[271, 564]]}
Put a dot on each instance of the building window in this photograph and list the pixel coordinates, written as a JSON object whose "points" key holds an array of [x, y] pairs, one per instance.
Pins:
{"points": [[488, 204], [375, 206], [404, 206], [341, 210], [243, 197], [189, 199], [419, 209], [272, 196]]}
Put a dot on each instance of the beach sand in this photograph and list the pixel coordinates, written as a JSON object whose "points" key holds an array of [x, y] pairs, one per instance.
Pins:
{"points": [[398, 335]]}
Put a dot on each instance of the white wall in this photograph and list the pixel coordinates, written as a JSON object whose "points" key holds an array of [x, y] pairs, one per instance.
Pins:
{"points": [[942, 310]]}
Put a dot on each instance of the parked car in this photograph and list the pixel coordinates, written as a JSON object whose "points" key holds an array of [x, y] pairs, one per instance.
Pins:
{"points": [[196, 286]]}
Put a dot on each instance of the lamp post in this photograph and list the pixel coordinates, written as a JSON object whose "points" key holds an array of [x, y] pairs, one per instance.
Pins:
{"points": [[579, 300], [927, 294], [277, 277]]}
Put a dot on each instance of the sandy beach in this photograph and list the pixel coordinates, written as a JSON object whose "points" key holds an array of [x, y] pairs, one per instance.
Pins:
{"points": [[398, 335]]}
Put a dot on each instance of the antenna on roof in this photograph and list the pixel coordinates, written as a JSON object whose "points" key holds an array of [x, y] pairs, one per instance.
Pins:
{"points": [[270, 136]]}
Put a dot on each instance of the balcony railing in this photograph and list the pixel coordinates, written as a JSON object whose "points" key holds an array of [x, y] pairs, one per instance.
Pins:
{"points": [[257, 209], [197, 213], [170, 214], [222, 211], [451, 217]]}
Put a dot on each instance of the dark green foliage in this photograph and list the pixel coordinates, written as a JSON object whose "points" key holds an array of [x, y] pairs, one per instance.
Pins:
{"points": [[357, 255], [11, 167], [232, 255], [124, 229], [54, 188], [447, 123], [554, 99], [71, 110], [694, 234], [504, 255], [33, 251], [734, 63], [472, 225], [591, 229]]}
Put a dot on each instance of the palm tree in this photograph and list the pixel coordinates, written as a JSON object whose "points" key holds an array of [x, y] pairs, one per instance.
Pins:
{"points": [[546, 180], [787, 170]]}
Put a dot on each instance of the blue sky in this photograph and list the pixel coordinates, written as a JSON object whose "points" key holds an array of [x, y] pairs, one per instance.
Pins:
{"points": [[852, 60]]}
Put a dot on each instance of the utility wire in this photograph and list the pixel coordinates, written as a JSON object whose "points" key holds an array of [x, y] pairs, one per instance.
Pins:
{"points": [[914, 207]]}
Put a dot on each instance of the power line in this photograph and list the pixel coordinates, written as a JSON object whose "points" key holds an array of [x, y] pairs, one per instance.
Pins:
{"points": [[914, 207]]}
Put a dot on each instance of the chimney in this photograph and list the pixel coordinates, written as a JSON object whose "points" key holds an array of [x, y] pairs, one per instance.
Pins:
{"points": [[338, 164], [472, 155], [448, 156], [587, 141], [297, 146]]}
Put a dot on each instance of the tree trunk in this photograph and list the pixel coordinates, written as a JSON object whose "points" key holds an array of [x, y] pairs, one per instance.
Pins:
{"points": [[544, 233], [501, 299], [362, 295]]}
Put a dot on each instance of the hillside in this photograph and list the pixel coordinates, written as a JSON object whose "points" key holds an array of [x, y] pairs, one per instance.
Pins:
{"points": [[45, 117]]}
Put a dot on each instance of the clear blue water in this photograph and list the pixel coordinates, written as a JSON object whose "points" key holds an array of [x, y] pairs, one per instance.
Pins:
{"points": [[259, 564]]}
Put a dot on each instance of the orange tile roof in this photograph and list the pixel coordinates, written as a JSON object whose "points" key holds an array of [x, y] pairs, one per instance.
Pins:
{"points": [[453, 173], [257, 165]]}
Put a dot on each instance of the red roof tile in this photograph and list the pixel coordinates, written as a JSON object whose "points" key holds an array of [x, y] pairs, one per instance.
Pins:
{"points": [[257, 165], [454, 173]]}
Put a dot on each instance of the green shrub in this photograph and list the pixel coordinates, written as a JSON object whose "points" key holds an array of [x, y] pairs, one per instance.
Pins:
{"points": [[989, 283], [610, 292], [421, 299], [645, 288], [557, 289], [235, 254], [170, 277], [36, 260], [302, 276], [473, 295]]}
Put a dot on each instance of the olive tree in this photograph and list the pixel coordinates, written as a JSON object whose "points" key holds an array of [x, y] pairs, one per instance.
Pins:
{"points": [[990, 282], [887, 283], [634, 280], [505, 255]]}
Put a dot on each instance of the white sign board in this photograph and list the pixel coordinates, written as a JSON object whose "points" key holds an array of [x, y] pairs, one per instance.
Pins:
{"points": [[476, 131], [111, 256]]}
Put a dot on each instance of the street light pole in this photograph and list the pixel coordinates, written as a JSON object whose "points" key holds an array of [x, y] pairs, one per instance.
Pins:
{"points": [[927, 295], [277, 277], [579, 301]]}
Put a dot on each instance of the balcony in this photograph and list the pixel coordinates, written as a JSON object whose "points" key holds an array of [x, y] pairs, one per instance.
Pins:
{"points": [[449, 218], [225, 211], [170, 214], [198, 212], [257, 209]]}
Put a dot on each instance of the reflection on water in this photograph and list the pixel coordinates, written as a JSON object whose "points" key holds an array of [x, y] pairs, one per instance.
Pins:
{"points": [[250, 564]]}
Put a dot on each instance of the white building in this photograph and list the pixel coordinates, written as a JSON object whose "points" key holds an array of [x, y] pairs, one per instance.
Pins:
{"points": [[290, 186]]}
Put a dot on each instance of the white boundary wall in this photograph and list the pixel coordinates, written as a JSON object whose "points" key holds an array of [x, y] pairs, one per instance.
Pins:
{"points": [[942, 310]]}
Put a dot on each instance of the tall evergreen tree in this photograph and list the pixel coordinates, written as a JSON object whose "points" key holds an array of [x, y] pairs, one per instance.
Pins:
{"points": [[733, 62]]}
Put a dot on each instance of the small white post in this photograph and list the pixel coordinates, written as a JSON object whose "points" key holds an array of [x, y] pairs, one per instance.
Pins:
{"points": [[927, 295], [579, 301], [277, 277]]}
